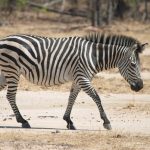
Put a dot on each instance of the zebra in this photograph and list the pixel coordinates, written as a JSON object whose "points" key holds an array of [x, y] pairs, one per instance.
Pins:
{"points": [[53, 61]]}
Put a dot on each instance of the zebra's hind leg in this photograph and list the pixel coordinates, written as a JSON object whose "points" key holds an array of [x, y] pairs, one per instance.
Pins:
{"points": [[73, 94], [11, 96]]}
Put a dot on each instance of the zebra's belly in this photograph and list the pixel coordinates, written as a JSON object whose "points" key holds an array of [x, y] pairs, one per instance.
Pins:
{"points": [[47, 78]]}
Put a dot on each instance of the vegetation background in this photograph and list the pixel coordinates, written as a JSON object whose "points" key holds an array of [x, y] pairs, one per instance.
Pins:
{"points": [[99, 12]]}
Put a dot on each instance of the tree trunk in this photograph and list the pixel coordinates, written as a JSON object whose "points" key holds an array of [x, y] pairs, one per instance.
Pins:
{"points": [[96, 19], [146, 10], [11, 4], [98, 13], [121, 8], [92, 10], [137, 14], [109, 11]]}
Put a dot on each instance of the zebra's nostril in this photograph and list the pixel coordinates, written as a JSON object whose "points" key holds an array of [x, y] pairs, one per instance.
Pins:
{"points": [[140, 83], [137, 85]]}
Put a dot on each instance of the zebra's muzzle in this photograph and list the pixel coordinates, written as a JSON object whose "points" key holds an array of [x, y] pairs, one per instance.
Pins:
{"points": [[137, 85]]}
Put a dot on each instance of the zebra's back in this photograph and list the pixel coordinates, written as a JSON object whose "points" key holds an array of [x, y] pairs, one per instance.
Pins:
{"points": [[43, 61]]}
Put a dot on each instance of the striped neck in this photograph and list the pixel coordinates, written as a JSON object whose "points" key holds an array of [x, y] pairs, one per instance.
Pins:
{"points": [[108, 56]]}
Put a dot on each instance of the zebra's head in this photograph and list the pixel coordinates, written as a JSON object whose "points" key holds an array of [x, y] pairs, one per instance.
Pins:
{"points": [[128, 50], [129, 66]]}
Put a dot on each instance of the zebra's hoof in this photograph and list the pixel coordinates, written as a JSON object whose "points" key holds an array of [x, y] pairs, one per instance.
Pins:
{"points": [[26, 125], [107, 126], [71, 127]]}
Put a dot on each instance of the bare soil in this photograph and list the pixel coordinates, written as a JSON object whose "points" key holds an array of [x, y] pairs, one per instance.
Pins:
{"points": [[129, 115], [44, 107]]}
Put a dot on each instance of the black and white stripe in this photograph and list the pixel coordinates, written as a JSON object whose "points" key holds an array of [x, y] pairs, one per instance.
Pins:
{"points": [[51, 61]]}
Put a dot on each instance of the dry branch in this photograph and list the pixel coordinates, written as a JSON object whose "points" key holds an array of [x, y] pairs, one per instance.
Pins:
{"points": [[32, 4]]}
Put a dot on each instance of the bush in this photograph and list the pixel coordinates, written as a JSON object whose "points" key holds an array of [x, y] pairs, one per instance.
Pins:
{"points": [[11, 5]]}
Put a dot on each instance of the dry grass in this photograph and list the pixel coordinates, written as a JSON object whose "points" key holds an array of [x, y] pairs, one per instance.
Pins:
{"points": [[138, 107], [129, 106], [68, 140]]}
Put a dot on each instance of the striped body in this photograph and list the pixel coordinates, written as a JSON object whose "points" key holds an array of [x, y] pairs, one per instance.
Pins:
{"points": [[53, 61], [44, 61]]}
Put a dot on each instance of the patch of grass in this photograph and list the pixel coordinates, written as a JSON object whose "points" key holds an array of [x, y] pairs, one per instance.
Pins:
{"points": [[72, 140], [129, 106]]}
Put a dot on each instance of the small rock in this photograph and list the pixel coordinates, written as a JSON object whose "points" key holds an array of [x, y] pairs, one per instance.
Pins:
{"points": [[29, 118], [4, 119], [57, 131], [118, 136]]}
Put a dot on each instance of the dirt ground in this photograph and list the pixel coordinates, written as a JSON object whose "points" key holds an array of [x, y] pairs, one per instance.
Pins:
{"points": [[129, 115], [44, 107]]}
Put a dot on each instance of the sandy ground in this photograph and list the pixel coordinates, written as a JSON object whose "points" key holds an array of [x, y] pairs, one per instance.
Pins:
{"points": [[129, 115], [45, 109]]}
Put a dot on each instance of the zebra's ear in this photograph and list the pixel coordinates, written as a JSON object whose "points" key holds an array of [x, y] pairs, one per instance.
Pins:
{"points": [[144, 45], [141, 47]]}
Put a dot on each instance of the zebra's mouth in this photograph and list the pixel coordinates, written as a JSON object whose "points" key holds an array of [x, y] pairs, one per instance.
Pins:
{"points": [[137, 86]]}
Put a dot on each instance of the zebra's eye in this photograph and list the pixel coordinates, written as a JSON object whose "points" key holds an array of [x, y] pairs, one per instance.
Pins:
{"points": [[133, 64]]}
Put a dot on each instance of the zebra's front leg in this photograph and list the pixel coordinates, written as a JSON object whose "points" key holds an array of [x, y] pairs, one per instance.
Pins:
{"points": [[11, 96], [85, 85], [73, 94]]}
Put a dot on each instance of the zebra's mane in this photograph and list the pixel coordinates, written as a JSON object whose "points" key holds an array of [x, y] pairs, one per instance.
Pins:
{"points": [[112, 39]]}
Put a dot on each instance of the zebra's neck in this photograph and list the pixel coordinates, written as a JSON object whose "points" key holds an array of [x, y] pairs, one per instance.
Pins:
{"points": [[108, 56]]}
